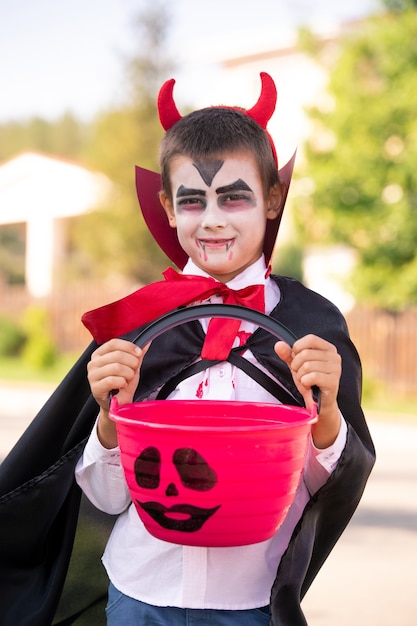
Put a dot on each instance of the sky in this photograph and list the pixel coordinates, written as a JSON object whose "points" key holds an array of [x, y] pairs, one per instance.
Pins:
{"points": [[69, 55]]}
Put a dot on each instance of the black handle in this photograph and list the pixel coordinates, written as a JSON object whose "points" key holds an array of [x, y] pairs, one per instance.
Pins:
{"points": [[229, 311]]}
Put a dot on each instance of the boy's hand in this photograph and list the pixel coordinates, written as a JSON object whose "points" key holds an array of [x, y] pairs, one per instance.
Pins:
{"points": [[114, 365], [315, 361]]}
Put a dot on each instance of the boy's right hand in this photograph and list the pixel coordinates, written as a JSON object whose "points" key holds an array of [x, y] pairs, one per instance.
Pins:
{"points": [[114, 365]]}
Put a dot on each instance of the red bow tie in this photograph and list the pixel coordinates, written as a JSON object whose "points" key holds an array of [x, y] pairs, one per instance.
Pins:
{"points": [[152, 301]]}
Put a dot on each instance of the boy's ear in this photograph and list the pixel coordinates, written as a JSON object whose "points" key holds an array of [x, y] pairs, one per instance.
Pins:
{"points": [[168, 208], [274, 201]]}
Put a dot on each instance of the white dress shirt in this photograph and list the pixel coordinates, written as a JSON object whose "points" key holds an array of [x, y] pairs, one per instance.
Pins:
{"points": [[167, 574]]}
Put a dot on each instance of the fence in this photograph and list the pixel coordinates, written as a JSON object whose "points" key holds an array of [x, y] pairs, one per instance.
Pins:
{"points": [[65, 307], [387, 344], [385, 341]]}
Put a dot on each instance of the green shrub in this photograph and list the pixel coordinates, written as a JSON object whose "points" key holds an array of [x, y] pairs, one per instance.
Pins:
{"points": [[288, 261], [39, 350], [12, 337]]}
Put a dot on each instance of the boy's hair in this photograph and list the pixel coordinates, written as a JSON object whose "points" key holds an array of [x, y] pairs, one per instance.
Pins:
{"points": [[213, 132]]}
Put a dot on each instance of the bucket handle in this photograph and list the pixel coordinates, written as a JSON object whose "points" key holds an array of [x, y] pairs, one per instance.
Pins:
{"points": [[229, 311]]}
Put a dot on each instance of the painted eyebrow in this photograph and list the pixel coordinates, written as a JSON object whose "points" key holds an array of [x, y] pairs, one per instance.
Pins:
{"points": [[239, 185], [186, 191]]}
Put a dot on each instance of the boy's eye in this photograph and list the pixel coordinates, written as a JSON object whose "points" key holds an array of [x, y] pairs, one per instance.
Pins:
{"points": [[191, 204], [236, 199]]}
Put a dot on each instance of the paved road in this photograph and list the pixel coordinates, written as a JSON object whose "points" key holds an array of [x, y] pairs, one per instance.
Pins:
{"points": [[370, 579]]}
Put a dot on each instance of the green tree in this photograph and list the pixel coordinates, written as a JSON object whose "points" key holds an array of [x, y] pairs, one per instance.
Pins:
{"points": [[65, 137], [115, 239], [361, 158]]}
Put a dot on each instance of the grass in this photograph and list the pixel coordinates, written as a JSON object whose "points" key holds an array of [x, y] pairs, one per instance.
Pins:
{"points": [[379, 398], [387, 407], [15, 370]]}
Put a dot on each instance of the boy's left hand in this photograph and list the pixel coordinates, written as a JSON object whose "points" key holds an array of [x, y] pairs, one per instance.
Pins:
{"points": [[314, 361]]}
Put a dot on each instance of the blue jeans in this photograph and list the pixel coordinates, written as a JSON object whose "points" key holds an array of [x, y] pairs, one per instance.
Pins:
{"points": [[124, 611]]}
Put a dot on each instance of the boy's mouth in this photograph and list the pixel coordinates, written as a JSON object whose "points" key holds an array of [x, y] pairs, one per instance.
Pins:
{"points": [[215, 244]]}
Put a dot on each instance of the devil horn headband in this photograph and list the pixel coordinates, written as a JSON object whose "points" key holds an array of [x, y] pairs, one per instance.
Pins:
{"points": [[148, 183], [261, 112]]}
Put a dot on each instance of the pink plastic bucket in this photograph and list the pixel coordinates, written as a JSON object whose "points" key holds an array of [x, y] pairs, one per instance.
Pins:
{"points": [[212, 473]]}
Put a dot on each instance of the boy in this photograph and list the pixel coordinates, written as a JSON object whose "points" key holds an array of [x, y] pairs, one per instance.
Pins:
{"points": [[220, 193]]}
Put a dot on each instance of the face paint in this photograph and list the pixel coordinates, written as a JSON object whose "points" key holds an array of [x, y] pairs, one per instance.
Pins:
{"points": [[220, 212], [184, 192], [208, 170], [239, 185]]}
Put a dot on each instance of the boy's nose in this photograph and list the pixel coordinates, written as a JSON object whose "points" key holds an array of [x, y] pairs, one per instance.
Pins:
{"points": [[213, 217]]}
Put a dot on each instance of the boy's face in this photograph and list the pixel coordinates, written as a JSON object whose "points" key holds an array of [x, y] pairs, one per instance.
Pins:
{"points": [[219, 211]]}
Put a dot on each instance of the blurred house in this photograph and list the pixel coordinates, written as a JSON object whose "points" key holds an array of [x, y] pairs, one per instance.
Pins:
{"points": [[301, 80], [40, 193], [229, 74]]}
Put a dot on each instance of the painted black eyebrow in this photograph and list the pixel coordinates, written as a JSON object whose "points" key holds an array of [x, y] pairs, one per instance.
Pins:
{"points": [[185, 191], [239, 185]]}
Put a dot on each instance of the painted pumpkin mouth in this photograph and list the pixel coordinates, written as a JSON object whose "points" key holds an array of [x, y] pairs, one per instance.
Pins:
{"points": [[183, 517]]}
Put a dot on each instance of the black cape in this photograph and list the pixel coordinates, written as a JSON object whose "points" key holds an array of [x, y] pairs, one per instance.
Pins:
{"points": [[52, 538]]}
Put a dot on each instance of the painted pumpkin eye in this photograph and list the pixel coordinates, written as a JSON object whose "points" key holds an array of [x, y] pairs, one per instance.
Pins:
{"points": [[194, 471], [148, 468]]}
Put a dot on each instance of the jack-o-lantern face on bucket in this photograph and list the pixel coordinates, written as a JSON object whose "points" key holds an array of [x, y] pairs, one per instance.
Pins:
{"points": [[187, 470], [211, 473]]}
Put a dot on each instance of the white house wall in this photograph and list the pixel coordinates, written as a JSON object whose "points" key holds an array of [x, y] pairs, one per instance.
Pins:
{"points": [[42, 192]]}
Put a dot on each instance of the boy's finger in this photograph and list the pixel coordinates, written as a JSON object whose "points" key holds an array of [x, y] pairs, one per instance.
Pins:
{"points": [[284, 351]]}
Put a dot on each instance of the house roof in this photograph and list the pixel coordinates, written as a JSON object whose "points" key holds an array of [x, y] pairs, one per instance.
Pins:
{"points": [[33, 184]]}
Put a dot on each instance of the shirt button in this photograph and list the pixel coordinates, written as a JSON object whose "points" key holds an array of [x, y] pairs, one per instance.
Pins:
{"points": [[221, 373]]}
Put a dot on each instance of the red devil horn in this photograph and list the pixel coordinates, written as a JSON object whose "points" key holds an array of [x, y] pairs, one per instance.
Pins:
{"points": [[264, 108], [167, 110]]}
